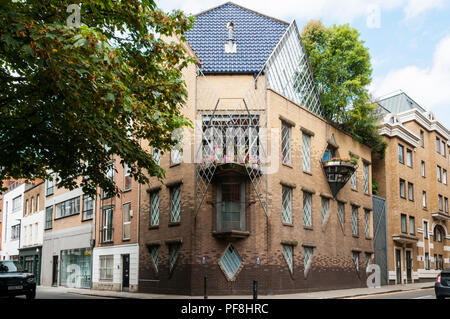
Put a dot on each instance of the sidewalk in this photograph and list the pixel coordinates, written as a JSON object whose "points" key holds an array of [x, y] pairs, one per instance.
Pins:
{"points": [[330, 294]]}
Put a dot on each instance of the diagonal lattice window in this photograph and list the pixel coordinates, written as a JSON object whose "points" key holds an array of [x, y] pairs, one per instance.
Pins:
{"points": [[175, 201], [154, 254], [286, 208], [154, 209], [325, 203], [288, 252], [353, 181], [354, 220], [341, 213], [174, 249], [356, 259], [367, 223], [286, 143], [156, 154], [230, 262], [366, 178], [308, 252], [306, 153], [307, 218]]}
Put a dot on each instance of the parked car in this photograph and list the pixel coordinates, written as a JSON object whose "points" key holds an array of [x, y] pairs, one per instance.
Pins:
{"points": [[15, 281], [442, 285]]}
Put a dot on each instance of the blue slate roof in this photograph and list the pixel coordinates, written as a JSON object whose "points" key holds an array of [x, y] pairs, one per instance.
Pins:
{"points": [[256, 36]]}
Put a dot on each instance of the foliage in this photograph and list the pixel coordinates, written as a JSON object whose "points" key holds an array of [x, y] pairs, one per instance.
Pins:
{"points": [[374, 187], [70, 98], [342, 71]]}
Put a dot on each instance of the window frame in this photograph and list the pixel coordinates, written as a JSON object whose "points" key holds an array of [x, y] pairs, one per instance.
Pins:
{"points": [[48, 221], [412, 226], [401, 154], [286, 145], [88, 200], [409, 158], [355, 221], [125, 223], [402, 181], [306, 152], [307, 214], [154, 209], [286, 198], [175, 203], [403, 224], [410, 191]]}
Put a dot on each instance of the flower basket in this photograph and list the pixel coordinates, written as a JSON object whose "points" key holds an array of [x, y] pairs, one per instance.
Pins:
{"points": [[338, 172]]}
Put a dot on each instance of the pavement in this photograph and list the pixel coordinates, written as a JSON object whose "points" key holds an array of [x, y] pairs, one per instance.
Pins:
{"points": [[354, 293]]}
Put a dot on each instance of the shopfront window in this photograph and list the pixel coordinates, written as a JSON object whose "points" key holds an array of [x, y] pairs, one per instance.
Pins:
{"points": [[76, 268]]}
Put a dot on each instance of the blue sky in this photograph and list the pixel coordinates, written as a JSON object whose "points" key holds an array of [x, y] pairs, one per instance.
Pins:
{"points": [[408, 40]]}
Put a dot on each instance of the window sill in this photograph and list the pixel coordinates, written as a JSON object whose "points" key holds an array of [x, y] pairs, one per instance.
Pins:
{"points": [[231, 234], [153, 227], [87, 219], [287, 224], [173, 224], [57, 218], [126, 190], [126, 240], [355, 236], [308, 227], [174, 165], [287, 165], [307, 173], [354, 190]]}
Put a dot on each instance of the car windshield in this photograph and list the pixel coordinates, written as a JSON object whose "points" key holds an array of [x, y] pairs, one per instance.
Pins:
{"points": [[10, 266]]}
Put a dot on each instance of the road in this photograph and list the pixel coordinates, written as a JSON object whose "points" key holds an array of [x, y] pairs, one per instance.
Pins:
{"points": [[427, 293], [58, 293]]}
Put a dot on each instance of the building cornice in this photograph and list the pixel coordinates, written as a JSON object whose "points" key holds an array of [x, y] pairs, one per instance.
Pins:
{"points": [[400, 131], [429, 125]]}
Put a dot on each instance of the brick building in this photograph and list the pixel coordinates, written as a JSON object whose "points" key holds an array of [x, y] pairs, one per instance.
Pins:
{"points": [[116, 252], [68, 237], [413, 179], [252, 196], [32, 229]]}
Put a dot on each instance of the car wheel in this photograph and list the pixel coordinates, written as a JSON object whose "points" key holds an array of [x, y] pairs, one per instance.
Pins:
{"points": [[31, 295]]}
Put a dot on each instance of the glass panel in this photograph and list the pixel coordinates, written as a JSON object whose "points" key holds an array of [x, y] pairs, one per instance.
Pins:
{"points": [[288, 254], [76, 268], [341, 213], [175, 204], [325, 202], [367, 223], [230, 262], [173, 255], [366, 178], [308, 251], [353, 181], [126, 221], [154, 252], [354, 220], [285, 143]]}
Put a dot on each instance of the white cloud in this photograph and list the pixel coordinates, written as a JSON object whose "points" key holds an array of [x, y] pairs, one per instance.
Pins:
{"points": [[341, 11], [429, 86]]}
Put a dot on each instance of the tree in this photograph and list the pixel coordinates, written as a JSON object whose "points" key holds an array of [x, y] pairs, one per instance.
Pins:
{"points": [[72, 97], [342, 71]]}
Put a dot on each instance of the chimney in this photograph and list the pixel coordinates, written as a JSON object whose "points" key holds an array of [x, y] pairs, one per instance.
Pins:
{"points": [[230, 44]]}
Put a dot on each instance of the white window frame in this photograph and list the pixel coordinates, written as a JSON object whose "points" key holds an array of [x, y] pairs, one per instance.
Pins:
{"points": [[126, 219], [106, 267]]}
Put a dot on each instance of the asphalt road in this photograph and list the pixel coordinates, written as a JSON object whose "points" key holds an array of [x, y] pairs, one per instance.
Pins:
{"points": [[55, 293], [427, 293]]}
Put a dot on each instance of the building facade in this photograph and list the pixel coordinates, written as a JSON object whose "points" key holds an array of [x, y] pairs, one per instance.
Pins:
{"points": [[116, 252], [32, 230], [413, 179], [254, 194], [68, 237]]}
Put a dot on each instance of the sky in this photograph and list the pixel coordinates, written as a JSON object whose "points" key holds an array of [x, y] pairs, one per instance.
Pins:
{"points": [[408, 40]]}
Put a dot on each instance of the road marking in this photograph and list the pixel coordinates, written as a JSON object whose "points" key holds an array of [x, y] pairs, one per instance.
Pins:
{"points": [[423, 297], [389, 293]]}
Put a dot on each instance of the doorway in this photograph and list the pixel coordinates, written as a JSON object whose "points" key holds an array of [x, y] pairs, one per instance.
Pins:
{"points": [[398, 265], [55, 271], [408, 267], [125, 272]]}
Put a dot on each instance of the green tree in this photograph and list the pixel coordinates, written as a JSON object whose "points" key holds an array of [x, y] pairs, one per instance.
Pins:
{"points": [[342, 71], [71, 97]]}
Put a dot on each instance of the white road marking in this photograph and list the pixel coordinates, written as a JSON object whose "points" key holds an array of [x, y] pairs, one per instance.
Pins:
{"points": [[423, 297]]}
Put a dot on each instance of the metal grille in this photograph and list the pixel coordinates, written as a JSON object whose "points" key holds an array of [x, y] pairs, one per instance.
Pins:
{"points": [[285, 143], [307, 220], [306, 152], [287, 71], [175, 203], [154, 252], [366, 178], [325, 202], [308, 252], [288, 252], [380, 243], [355, 220], [173, 254], [154, 209], [286, 208], [230, 262], [341, 213]]}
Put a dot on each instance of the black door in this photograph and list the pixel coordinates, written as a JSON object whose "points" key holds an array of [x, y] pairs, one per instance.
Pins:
{"points": [[398, 265], [408, 267], [55, 271], [126, 272]]}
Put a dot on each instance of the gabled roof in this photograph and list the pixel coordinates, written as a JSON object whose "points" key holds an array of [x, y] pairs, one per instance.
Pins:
{"points": [[398, 102], [256, 36]]}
